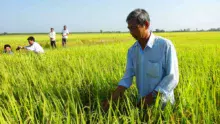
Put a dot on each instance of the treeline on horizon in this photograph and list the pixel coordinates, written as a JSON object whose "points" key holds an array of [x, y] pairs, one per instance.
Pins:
{"points": [[101, 31]]}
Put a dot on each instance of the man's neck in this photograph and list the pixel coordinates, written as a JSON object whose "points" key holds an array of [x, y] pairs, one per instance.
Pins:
{"points": [[143, 41]]}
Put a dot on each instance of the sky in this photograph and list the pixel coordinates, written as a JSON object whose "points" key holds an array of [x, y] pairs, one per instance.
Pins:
{"points": [[35, 16]]}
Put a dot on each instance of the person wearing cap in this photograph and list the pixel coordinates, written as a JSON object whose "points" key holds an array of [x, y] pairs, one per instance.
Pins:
{"points": [[33, 46], [65, 34], [152, 60], [52, 36], [7, 49]]}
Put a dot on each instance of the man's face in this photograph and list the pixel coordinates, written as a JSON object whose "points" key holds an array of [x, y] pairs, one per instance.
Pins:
{"points": [[51, 29], [31, 42], [136, 30], [64, 27], [8, 49]]}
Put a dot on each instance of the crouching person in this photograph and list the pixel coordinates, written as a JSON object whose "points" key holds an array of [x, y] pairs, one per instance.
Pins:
{"points": [[7, 49], [33, 46]]}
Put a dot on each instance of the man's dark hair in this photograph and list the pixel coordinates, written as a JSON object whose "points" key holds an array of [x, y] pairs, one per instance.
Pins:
{"points": [[51, 28], [7, 45], [140, 15], [31, 38]]}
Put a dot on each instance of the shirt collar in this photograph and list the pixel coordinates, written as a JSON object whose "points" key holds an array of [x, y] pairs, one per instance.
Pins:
{"points": [[33, 43], [150, 41]]}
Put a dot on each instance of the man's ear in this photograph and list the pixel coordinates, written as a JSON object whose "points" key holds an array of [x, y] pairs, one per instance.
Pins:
{"points": [[147, 24]]}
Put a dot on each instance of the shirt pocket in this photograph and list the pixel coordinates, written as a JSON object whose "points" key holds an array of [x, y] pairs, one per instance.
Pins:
{"points": [[153, 69]]}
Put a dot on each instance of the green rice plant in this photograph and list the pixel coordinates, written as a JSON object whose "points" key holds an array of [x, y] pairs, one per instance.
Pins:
{"points": [[67, 85]]}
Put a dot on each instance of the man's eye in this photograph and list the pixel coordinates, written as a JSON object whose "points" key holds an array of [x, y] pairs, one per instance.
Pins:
{"points": [[131, 27]]}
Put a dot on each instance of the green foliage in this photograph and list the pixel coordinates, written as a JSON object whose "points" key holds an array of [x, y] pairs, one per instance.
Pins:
{"points": [[67, 85]]}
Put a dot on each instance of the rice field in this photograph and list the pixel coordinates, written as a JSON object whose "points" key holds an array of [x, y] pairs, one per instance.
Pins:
{"points": [[67, 85]]}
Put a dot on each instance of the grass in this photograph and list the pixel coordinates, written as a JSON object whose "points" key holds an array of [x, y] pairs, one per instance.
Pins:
{"points": [[66, 85]]}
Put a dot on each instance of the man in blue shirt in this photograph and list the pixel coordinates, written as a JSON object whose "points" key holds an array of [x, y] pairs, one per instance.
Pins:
{"points": [[152, 60]]}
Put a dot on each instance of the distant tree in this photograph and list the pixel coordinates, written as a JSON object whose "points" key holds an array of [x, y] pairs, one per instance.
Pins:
{"points": [[188, 29], [159, 30], [101, 31], [5, 33], [202, 30], [214, 29]]}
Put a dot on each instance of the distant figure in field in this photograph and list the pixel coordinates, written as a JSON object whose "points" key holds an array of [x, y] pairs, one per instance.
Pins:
{"points": [[33, 46], [7, 49], [152, 60], [65, 34], [52, 36]]}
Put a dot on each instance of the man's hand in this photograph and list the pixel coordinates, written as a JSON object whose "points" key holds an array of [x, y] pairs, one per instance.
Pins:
{"points": [[119, 92], [19, 47], [105, 105], [148, 100]]}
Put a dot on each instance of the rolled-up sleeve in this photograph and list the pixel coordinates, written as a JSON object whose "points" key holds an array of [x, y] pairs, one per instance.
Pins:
{"points": [[171, 79], [29, 47], [126, 81]]}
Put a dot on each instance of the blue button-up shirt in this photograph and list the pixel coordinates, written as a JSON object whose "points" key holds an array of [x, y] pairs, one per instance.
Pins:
{"points": [[155, 68]]}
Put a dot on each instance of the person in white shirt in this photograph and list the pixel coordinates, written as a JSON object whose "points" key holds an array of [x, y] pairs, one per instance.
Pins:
{"points": [[65, 34], [33, 46], [52, 36]]}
